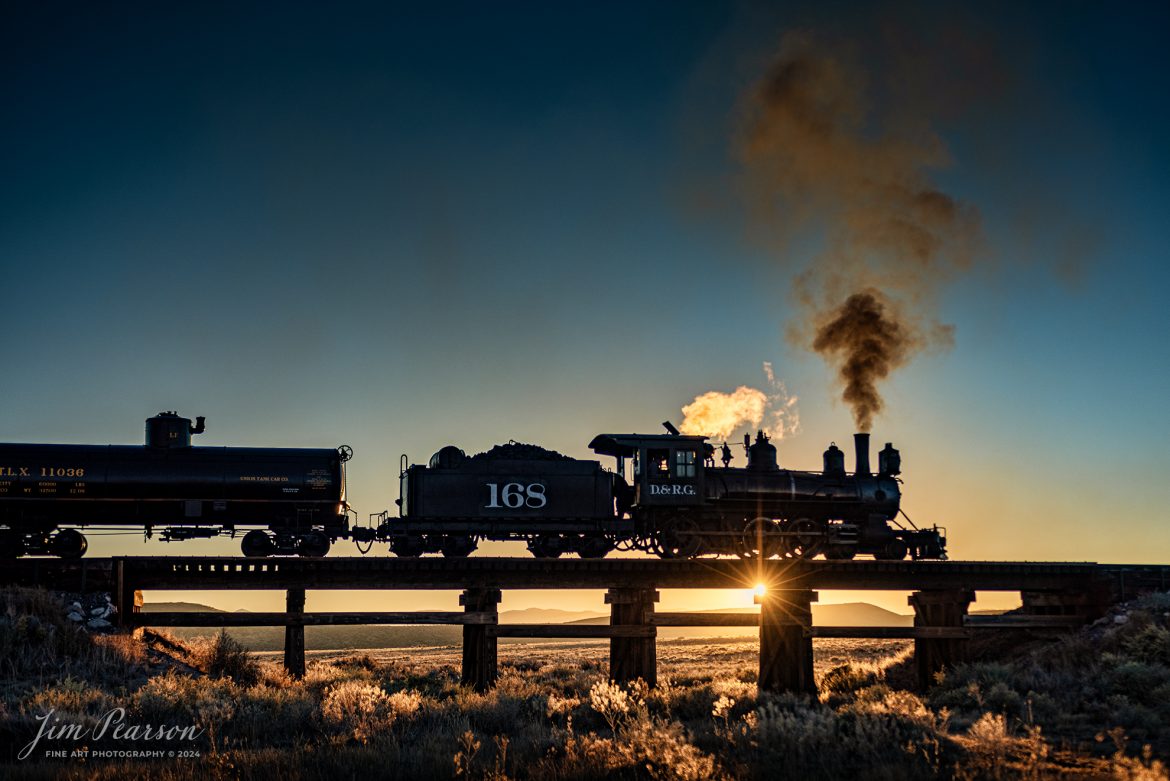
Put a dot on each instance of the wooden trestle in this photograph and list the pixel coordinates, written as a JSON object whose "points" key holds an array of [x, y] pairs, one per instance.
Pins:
{"points": [[1055, 595]]}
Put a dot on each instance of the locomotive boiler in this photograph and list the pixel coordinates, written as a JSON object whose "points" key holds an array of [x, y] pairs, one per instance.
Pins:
{"points": [[683, 505], [289, 500]]}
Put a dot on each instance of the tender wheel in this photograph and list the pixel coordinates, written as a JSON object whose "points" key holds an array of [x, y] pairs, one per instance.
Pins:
{"points": [[257, 544], [454, 547], [680, 539], [546, 546], [894, 550], [759, 539], [69, 544], [409, 547], [314, 544], [593, 547], [808, 538]]}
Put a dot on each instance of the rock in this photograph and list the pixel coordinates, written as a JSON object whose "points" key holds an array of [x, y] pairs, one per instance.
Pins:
{"points": [[1121, 619], [76, 606], [98, 611], [75, 615], [98, 624]]}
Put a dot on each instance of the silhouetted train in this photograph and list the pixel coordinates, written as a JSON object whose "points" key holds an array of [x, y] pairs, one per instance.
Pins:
{"points": [[292, 500], [665, 497]]}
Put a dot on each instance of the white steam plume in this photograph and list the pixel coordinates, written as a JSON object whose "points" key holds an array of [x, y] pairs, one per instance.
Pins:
{"points": [[718, 415]]}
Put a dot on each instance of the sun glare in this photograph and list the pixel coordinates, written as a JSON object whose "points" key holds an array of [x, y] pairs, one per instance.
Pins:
{"points": [[760, 589]]}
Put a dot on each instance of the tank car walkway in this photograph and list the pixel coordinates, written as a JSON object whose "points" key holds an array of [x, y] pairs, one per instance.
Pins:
{"points": [[1054, 595]]}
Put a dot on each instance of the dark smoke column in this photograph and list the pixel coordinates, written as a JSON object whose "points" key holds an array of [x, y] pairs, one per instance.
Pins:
{"points": [[865, 341], [835, 150]]}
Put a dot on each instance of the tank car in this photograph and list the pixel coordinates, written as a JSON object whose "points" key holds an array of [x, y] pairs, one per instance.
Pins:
{"points": [[289, 500]]}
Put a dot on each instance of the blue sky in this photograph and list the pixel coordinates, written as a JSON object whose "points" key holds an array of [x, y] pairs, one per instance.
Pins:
{"points": [[400, 228]]}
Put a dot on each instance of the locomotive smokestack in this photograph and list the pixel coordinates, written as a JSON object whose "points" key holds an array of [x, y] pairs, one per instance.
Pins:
{"points": [[861, 443], [199, 426]]}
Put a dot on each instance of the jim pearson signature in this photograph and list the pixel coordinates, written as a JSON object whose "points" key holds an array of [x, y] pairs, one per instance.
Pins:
{"points": [[112, 725]]}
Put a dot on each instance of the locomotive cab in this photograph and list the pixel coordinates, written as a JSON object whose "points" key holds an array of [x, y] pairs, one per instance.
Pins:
{"points": [[668, 469]]}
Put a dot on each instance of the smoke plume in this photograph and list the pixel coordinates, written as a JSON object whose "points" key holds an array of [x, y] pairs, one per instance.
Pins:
{"points": [[718, 415], [866, 340], [828, 153]]}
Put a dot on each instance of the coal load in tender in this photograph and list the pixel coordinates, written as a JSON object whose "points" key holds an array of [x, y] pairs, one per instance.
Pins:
{"points": [[519, 451]]}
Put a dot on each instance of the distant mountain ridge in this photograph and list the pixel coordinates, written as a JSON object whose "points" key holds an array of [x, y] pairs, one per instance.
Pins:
{"points": [[321, 638], [181, 607], [845, 614], [531, 615]]}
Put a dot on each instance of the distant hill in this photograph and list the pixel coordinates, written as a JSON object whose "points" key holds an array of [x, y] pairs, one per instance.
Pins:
{"points": [[541, 615], [858, 614], [179, 607], [531, 615], [847, 614], [323, 638]]}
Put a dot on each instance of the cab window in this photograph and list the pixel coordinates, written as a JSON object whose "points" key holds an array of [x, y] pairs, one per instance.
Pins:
{"points": [[658, 463], [684, 463]]}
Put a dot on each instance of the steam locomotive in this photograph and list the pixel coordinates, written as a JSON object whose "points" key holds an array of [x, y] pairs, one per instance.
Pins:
{"points": [[665, 497]]}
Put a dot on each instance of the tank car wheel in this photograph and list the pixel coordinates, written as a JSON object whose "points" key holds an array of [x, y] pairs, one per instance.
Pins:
{"points": [[456, 547], [840, 552], [759, 540], [314, 545], [69, 544], [256, 544], [894, 550], [808, 539], [680, 539], [11, 544]]}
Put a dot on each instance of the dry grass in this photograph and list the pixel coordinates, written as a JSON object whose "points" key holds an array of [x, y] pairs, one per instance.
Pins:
{"points": [[554, 715]]}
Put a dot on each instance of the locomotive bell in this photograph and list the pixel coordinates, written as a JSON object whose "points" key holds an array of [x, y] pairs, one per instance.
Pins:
{"points": [[171, 430], [834, 461], [889, 461]]}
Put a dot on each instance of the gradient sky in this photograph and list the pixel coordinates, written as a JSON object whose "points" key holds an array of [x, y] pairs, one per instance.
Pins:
{"points": [[400, 228]]}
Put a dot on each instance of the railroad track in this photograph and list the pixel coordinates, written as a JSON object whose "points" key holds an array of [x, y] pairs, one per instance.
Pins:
{"points": [[200, 572]]}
